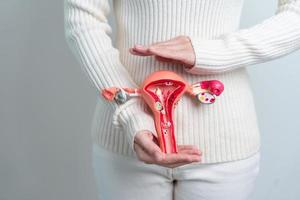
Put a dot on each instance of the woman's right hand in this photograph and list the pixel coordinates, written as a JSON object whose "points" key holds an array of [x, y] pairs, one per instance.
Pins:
{"points": [[147, 149]]}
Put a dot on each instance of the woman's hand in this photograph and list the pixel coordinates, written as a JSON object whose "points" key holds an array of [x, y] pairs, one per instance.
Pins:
{"points": [[175, 50], [148, 151]]}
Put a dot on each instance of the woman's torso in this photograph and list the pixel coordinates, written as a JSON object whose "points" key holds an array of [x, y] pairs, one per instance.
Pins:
{"points": [[226, 130]]}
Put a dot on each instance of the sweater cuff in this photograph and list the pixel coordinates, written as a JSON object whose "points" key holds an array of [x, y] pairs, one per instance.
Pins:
{"points": [[134, 117], [209, 54]]}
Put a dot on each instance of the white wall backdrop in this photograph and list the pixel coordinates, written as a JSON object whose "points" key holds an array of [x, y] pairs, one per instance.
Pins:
{"points": [[47, 103]]}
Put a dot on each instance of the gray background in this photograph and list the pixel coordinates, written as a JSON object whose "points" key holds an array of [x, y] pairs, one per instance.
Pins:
{"points": [[47, 104]]}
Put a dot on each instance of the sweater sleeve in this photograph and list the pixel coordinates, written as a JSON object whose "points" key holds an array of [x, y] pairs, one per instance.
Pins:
{"points": [[274, 37], [87, 34]]}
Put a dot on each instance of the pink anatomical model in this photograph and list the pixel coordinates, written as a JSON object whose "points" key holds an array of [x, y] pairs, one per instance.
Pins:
{"points": [[161, 91]]}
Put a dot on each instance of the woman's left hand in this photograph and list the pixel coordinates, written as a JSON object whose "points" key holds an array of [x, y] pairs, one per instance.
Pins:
{"points": [[176, 50]]}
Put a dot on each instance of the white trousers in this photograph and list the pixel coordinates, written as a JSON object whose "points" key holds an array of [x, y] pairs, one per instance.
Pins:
{"points": [[125, 178]]}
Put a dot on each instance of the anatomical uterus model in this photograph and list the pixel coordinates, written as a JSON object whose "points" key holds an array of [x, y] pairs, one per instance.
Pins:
{"points": [[161, 91]]}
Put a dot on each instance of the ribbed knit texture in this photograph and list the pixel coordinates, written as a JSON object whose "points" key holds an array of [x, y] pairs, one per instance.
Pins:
{"points": [[226, 130]]}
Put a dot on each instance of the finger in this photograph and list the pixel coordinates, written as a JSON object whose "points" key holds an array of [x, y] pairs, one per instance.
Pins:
{"points": [[179, 158], [152, 53], [148, 144], [179, 164], [191, 152], [140, 52], [150, 158], [142, 155], [175, 55], [145, 50], [187, 147], [175, 47], [176, 43], [155, 140], [143, 135]]}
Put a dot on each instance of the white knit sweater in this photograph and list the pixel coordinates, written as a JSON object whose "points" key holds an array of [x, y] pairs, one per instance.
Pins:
{"points": [[226, 130]]}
